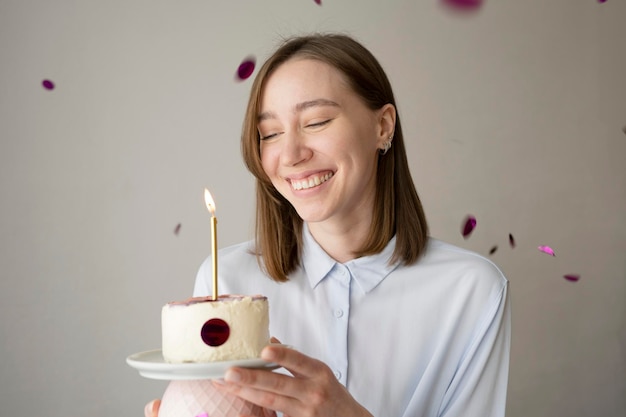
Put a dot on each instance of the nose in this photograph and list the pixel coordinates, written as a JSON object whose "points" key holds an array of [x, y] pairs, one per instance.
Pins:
{"points": [[295, 149]]}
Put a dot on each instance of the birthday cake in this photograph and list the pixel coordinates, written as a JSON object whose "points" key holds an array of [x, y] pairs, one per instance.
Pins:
{"points": [[201, 329]]}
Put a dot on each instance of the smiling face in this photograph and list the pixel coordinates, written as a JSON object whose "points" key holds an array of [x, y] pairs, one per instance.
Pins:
{"points": [[319, 142]]}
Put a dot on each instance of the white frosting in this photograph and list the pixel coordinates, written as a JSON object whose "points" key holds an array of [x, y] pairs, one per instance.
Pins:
{"points": [[182, 322]]}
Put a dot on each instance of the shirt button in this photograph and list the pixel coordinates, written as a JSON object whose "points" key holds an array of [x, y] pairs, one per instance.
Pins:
{"points": [[339, 313], [337, 374]]}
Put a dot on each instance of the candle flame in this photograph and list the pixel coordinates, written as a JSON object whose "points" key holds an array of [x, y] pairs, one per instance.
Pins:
{"points": [[210, 204]]}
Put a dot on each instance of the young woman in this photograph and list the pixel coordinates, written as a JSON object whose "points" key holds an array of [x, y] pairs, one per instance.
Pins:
{"points": [[381, 320]]}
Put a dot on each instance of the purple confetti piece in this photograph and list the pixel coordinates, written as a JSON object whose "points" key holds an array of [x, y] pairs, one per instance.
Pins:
{"points": [[571, 277], [318, 2], [177, 229], [469, 225], [511, 240], [47, 84], [546, 249], [493, 250], [246, 68], [601, 1], [463, 5]]}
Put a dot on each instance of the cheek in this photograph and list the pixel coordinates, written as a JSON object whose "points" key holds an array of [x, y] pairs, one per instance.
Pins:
{"points": [[268, 160]]}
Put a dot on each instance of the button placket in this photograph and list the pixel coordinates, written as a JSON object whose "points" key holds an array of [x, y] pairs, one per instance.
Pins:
{"points": [[340, 308]]}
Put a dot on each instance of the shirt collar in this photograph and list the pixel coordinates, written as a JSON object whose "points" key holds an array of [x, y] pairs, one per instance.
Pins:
{"points": [[367, 271]]}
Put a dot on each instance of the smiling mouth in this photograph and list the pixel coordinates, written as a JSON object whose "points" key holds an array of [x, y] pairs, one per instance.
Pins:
{"points": [[310, 182]]}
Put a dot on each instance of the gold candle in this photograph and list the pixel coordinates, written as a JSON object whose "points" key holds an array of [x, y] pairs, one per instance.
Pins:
{"points": [[210, 205]]}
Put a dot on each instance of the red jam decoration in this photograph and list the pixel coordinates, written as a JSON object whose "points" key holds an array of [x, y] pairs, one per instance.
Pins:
{"points": [[215, 332]]}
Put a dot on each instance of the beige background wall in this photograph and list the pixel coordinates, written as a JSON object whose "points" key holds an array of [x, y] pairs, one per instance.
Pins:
{"points": [[513, 114]]}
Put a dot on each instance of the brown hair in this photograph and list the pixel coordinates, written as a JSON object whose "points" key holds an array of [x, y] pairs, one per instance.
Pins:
{"points": [[397, 208]]}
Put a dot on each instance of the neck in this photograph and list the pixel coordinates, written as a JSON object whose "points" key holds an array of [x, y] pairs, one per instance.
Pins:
{"points": [[340, 242]]}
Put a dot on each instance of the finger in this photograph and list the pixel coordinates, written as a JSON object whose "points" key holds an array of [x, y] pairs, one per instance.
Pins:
{"points": [[266, 389], [297, 363], [262, 380], [152, 408]]}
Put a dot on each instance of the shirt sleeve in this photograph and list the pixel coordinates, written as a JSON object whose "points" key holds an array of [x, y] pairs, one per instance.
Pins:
{"points": [[479, 386]]}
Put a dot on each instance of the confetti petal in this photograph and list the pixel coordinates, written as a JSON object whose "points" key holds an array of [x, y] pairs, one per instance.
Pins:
{"points": [[493, 250], [318, 2], [47, 84], [246, 68], [177, 229], [511, 240], [469, 225], [601, 1], [203, 415], [463, 5], [546, 249], [572, 277]]}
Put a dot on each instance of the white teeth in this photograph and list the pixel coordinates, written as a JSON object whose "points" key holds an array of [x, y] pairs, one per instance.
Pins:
{"points": [[311, 182]]}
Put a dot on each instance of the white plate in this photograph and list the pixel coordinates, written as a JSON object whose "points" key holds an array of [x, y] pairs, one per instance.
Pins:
{"points": [[151, 364]]}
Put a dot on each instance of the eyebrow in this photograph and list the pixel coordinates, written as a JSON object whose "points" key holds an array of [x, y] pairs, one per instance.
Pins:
{"points": [[300, 107]]}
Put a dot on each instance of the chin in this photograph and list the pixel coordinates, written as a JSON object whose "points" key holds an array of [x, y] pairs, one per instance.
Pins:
{"points": [[310, 216]]}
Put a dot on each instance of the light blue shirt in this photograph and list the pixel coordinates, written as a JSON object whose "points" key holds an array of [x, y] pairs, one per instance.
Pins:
{"points": [[430, 339]]}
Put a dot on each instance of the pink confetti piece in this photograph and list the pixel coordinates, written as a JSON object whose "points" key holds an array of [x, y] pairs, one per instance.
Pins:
{"points": [[47, 84], [571, 277], [203, 415], [177, 229], [493, 250], [546, 249], [469, 225], [463, 5], [246, 68], [318, 2], [511, 240]]}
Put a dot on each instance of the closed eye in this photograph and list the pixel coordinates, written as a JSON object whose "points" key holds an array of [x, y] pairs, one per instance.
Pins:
{"points": [[319, 124], [268, 136]]}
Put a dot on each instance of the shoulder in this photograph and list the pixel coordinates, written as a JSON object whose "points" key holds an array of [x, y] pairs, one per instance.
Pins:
{"points": [[439, 251], [232, 258], [238, 269], [238, 252], [465, 269]]}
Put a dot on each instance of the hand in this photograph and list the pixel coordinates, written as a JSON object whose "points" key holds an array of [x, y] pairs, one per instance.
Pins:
{"points": [[152, 408], [312, 391]]}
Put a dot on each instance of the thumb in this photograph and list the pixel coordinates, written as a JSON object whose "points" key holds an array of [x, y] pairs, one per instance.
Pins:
{"points": [[152, 408]]}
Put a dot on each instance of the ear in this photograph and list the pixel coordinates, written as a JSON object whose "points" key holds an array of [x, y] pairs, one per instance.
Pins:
{"points": [[386, 124]]}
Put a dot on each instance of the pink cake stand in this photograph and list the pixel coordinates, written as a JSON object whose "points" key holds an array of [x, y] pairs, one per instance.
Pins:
{"points": [[198, 398], [190, 392]]}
